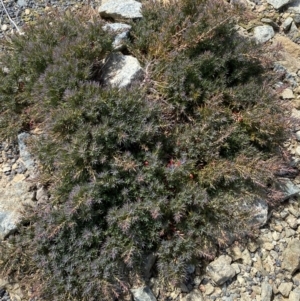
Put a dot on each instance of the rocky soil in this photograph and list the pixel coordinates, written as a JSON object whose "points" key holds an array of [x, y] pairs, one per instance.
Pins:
{"points": [[264, 268]]}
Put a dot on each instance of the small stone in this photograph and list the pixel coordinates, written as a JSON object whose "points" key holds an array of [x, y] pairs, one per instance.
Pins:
{"points": [[296, 104], [121, 70], [268, 246], [285, 288], [297, 151], [287, 24], [191, 268], [292, 221], [18, 178], [263, 33], [220, 269], [209, 289], [6, 168], [297, 18], [296, 279], [143, 294], [266, 291], [256, 289], [291, 256], [27, 11], [292, 209], [234, 252], [274, 254], [21, 3], [287, 94], [117, 27], [270, 22], [246, 258], [289, 188], [252, 246], [154, 286], [293, 30], [258, 263], [289, 233], [4, 27], [241, 280], [295, 295], [236, 268], [259, 209], [276, 235], [122, 32], [25, 157]]}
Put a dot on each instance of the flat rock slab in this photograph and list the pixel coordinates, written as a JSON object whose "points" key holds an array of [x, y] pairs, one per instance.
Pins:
{"points": [[263, 33], [121, 70], [279, 3], [121, 9], [220, 270]]}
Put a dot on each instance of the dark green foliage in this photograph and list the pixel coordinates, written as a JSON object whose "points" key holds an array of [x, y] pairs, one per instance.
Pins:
{"points": [[169, 167]]}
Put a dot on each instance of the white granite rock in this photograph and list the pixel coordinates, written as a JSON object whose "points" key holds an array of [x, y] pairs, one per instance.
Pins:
{"points": [[121, 70], [143, 294], [220, 269], [121, 9], [263, 33]]}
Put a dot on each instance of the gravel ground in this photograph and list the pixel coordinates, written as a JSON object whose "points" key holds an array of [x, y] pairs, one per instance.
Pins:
{"points": [[26, 11]]}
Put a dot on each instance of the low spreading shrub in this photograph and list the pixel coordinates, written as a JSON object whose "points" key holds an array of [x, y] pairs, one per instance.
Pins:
{"points": [[169, 167]]}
